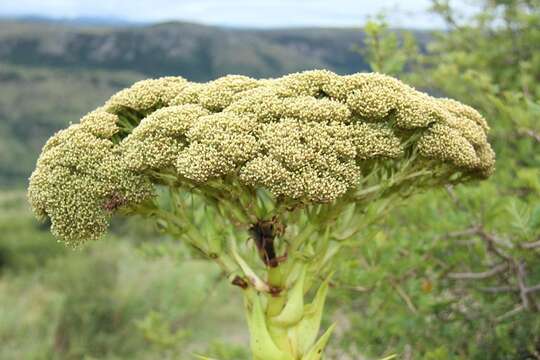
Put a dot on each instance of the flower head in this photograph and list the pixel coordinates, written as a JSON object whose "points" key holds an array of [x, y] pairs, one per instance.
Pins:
{"points": [[312, 137]]}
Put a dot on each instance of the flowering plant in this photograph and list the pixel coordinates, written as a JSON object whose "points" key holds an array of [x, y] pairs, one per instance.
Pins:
{"points": [[290, 163]]}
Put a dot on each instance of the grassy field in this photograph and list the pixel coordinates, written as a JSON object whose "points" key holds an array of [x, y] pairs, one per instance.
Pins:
{"points": [[114, 299]]}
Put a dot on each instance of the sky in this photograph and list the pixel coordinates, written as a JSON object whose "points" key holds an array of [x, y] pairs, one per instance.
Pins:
{"points": [[237, 13]]}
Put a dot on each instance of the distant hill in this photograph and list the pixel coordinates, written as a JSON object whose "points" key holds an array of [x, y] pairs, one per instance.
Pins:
{"points": [[53, 72], [81, 21], [194, 51]]}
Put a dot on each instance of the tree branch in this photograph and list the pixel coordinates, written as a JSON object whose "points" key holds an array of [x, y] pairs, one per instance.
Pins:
{"points": [[530, 245], [510, 313], [462, 233], [530, 133], [405, 298], [479, 275], [499, 289]]}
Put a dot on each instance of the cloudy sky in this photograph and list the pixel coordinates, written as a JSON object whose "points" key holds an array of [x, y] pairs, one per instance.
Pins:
{"points": [[241, 13]]}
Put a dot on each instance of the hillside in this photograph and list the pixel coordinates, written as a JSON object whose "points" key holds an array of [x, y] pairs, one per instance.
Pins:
{"points": [[52, 72], [195, 51]]}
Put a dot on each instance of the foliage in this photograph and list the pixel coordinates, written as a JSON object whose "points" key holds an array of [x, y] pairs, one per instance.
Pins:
{"points": [[26, 245], [112, 300], [457, 278], [387, 51]]}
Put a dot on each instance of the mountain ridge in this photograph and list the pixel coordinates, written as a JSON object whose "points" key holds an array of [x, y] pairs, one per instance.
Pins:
{"points": [[197, 52]]}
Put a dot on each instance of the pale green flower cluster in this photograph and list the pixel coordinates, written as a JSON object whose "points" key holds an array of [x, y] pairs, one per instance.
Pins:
{"points": [[306, 136], [81, 179]]}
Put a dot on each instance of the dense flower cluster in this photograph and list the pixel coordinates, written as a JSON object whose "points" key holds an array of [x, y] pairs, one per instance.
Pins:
{"points": [[303, 136]]}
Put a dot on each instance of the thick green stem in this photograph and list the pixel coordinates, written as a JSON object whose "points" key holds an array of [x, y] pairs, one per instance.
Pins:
{"points": [[276, 275], [276, 280], [284, 321]]}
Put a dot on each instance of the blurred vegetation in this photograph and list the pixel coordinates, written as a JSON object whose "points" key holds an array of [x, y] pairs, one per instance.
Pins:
{"points": [[455, 274], [450, 274], [111, 300]]}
